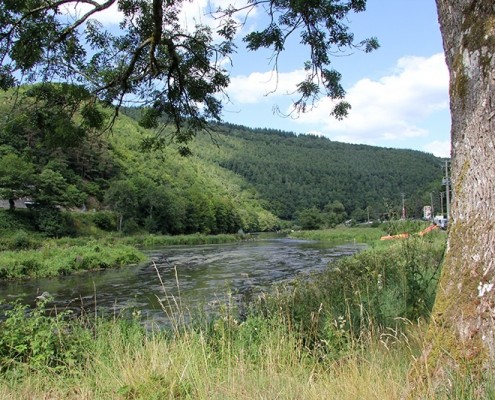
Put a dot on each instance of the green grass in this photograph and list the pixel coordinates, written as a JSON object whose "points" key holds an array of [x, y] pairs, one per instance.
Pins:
{"points": [[150, 240], [345, 334], [341, 235], [55, 258], [28, 255], [258, 358]]}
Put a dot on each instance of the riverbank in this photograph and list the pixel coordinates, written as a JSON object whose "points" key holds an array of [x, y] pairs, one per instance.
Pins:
{"points": [[34, 256], [26, 256], [367, 235], [347, 333]]}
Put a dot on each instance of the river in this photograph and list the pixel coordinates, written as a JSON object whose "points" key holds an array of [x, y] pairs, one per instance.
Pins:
{"points": [[185, 277]]}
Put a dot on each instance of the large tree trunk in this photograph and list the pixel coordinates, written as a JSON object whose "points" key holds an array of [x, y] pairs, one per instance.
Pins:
{"points": [[460, 345]]}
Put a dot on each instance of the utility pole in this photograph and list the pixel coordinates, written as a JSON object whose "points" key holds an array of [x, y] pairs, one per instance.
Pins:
{"points": [[441, 201], [403, 207], [432, 209]]}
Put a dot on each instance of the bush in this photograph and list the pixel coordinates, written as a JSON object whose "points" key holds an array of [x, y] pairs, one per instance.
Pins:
{"points": [[374, 290], [19, 219], [35, 340], [21, 240], [104, 220], [54, 223]]}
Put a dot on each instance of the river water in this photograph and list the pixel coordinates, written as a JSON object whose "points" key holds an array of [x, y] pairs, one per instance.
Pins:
{"points": [[185, 277]]}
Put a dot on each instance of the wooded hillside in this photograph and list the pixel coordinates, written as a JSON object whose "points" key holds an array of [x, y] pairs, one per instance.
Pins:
{"points": [[293, 173], [236, 178]]}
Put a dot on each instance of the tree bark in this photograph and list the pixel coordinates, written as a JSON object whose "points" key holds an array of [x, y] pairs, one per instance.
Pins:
{"points": [[459, 350]]}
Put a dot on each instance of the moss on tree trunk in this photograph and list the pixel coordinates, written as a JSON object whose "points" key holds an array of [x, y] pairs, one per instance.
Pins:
{"points": [[460, 344]]}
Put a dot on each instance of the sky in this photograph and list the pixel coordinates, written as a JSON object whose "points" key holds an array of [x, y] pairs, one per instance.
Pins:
{"points": [[398, 93]]}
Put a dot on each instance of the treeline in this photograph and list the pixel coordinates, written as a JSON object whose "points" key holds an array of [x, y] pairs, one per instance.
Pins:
{"points": [[296, 173], [56, 150]]}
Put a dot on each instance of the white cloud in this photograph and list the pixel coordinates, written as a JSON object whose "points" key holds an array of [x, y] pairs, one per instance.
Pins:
{"points": [[438, 148], [255, 87], [390, 108]]}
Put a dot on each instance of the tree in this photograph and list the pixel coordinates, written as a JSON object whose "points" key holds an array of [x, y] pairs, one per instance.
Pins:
{"points": [[122, 197], [16, 177], [310, 218], [51, 189], [178, 73], [461, 337], [335, 213]]}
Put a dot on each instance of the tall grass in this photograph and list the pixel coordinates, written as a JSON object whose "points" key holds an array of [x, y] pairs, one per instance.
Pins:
{"points": [[258, 358], [54, 259], [341, 235], [343, 335]]}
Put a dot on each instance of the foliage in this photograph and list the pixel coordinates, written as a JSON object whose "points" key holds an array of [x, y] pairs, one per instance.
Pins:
{"points": [[342, 235], [396, 227], [293, 173], [312, 218], [36, 341], [53, 222], [313, 342], [168, 240], [156, 191], [104, 220], [159, 192], [21, 219], [178, 72], [53, 259], [16, 176]]}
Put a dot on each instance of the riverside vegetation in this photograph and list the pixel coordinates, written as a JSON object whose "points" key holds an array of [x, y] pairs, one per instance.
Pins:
{"points": [[351, 331]]}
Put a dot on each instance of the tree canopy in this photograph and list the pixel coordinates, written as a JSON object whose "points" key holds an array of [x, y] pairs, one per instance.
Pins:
{"points": [[177, 72]]}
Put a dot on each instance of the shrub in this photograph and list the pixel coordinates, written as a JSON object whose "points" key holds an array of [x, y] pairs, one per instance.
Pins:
{"points": [[104, 220], [21, 240], [373, 290], [36, 340], [54, 223]]}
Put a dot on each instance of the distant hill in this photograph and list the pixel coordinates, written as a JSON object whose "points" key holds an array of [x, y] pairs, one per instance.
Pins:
{"points": [[295, 172], [64, 162]]}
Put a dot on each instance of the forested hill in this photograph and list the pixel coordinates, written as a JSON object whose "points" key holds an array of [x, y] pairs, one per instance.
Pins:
{"points": [[56, 157], [52, 152], [295, 172]]}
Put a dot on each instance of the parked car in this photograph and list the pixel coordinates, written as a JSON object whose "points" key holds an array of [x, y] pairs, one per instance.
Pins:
{"points": [[441, 221]]}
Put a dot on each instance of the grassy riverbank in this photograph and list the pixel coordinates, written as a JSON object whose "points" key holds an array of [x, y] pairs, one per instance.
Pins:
{"points": [[341, 235], [54, 259], [346, 334], [31, 256], [363, 234]]}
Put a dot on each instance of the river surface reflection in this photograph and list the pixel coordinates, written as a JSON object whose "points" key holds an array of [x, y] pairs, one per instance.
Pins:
{"points": [[192, 276]]}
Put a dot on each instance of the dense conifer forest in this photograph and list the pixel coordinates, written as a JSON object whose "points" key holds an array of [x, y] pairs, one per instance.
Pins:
{"points": [[293, 173]]}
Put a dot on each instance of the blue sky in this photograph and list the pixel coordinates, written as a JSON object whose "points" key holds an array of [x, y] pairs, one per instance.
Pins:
{"points": [[398, 94]]}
